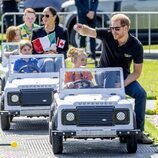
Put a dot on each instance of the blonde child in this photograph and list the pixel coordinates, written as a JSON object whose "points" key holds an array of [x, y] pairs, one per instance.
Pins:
{"points": [[79, 59]]}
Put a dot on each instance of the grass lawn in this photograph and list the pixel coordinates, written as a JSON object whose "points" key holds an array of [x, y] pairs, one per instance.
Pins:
{"points": [[152, 130], [149, 78]]}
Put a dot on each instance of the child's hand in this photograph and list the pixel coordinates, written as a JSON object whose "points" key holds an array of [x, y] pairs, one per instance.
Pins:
{"points": [[69, 85]]}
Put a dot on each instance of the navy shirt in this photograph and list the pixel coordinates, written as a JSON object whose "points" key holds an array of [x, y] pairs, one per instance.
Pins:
{"points": [[19, 63], [114, 55]]}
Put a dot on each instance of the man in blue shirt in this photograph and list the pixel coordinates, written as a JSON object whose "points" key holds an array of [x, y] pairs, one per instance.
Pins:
{"points": [[87, 15]]}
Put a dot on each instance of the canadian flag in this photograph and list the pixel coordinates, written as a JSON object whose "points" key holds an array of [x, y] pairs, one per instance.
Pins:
{"points": [[45, 43], [60, 43]]}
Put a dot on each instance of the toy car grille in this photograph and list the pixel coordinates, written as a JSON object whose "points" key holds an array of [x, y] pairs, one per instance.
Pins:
{"points": [[38, 97], [95, 116], [35, 86]]}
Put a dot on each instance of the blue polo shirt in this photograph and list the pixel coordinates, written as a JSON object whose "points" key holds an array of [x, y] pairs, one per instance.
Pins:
{"points": [[19, 63]]}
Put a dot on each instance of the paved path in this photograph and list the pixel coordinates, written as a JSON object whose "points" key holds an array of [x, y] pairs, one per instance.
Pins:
{"points": [[32, 138]]}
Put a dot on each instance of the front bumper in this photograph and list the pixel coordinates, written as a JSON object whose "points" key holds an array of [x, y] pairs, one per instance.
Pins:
{"points": [[29, 112], [96, 134]]}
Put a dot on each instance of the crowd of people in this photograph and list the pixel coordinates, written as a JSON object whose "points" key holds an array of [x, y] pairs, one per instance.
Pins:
{"points": [[120, 48]]}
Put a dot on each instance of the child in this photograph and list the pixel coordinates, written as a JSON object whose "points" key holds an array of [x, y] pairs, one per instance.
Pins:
{"points": [[26, 64], [79, 59], [28, 25], [12, 35]]}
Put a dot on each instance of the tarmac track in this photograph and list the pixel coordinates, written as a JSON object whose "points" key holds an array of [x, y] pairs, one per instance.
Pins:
{"points": [[32, 138]]}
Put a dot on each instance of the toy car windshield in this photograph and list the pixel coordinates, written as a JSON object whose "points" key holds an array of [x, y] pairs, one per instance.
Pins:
{"points": [[35, 63], [91, 80], [8, 48]]}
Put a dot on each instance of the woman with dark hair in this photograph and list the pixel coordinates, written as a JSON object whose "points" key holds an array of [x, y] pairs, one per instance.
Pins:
{"points": [[51, 25]]}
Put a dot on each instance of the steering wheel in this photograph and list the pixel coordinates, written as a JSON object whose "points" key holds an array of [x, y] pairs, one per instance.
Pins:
{"points": [[83, 84], [29, 67]]}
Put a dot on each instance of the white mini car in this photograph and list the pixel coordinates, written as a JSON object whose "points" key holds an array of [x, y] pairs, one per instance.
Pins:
{"points": [[91, 104], [28, 90], [7, 49]]}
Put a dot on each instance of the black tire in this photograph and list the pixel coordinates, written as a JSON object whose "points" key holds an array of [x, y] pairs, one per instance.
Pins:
{"points": [[132, 143], [2, 83], [50, 136], [57, 141], [57, 144], [134, 121], [122, 139], [51, 114], [5, 119], [50, 128], [11, 118]]}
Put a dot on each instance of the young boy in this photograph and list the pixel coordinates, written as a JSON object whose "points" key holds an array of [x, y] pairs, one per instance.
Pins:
{"points": [[26, 64], [28, 25]]}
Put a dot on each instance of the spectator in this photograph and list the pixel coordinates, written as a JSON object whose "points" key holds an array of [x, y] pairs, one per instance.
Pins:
{"points": [[12, 35], [26, 64], [28, 25], [9, 6], [120, 48], [87, 15], [51, 21]]}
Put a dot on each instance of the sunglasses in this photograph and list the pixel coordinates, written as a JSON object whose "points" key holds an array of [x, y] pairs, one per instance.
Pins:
{"points": [[116, 28], [46, 15]]}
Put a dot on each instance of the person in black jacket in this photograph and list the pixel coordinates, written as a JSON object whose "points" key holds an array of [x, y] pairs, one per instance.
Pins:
{"points": [[87, 15], [51, 24], [9, 6]]}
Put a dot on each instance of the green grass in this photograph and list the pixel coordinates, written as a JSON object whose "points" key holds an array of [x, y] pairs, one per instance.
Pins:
{"points": [[151, 47], [90, 64], [152, 130], [149, 78]]}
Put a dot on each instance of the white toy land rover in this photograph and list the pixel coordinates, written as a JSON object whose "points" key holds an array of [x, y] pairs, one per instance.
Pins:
{"points": [[29, 89], [91, 104]]}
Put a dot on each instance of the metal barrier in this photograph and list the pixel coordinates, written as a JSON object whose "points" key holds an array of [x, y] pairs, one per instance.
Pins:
{"points": [[143, 24]]}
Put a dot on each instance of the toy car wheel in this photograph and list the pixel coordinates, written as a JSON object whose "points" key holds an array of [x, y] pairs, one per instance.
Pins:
{"points": [[57, 141], [2, 83], [122, 139], [5, 119], [57, 144], [11, 118], [50, 128], [134, 121], [132, 143]]}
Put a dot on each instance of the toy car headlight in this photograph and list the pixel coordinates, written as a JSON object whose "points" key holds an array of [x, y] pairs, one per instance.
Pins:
{"points": [[68, 117], [122, 116], [13, 98]]}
